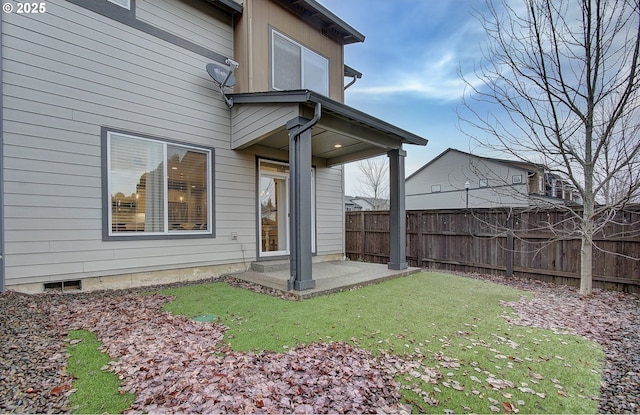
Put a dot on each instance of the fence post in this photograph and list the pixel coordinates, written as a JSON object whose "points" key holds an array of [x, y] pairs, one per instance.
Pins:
{"points": [[419, 254], [363, 236], [510, 247]]}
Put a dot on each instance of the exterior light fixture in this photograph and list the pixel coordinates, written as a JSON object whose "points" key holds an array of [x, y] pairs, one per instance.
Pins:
{"points": [[337, 145], [467, 185]]}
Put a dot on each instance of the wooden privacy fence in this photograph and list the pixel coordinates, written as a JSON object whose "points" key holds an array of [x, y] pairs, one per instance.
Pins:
{"points": [[509, 242]]}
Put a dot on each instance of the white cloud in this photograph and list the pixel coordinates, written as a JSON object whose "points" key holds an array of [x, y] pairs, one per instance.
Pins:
{"points": [[432, 76], [432, 84]]}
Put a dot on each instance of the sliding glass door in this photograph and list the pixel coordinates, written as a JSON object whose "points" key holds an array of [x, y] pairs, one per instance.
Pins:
{"points": [[273, 201]]}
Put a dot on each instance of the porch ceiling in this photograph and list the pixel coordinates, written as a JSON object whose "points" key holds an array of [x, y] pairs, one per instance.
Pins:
{"points": [[343, 134]]}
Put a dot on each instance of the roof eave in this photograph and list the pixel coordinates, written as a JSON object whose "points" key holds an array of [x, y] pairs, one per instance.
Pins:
{"points": [[228, 5], [353, 36], [322, 18], [349, 71], [304, 96]]}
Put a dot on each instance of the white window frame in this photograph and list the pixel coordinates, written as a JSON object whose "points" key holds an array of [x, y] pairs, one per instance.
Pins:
{"points": [[167, 231], [304, 51], [436, 188], [483, 183], [126, 4], [516, 179], [540, 184]]}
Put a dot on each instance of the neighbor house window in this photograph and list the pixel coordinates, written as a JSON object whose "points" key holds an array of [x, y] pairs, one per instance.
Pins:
{"points": [[294, 66], [122, 3], [157, 187], [435, 188], [483, 183], [517, 179]]}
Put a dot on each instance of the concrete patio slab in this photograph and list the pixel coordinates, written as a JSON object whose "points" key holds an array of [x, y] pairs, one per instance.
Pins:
{"points": [[330, 276]]}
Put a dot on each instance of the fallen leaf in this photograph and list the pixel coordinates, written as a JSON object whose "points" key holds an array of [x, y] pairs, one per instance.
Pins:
{"points": [[59, 390], [499, 383], [535, 375], [457, 386], [508, 408]]}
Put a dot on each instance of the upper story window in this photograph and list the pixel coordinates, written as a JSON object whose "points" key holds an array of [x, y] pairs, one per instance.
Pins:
{"points": [[435, 188], [122, 3], [294, 66], [157, 188]]}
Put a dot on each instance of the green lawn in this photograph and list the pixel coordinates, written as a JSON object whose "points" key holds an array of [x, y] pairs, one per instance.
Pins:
{"points": [[96, 389], [451, 323]]}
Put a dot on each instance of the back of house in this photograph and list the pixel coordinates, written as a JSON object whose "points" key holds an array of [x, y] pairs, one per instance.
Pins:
{"points": [[124, 163]]}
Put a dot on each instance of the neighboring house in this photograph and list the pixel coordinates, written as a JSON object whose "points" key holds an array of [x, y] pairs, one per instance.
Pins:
{"points": [[350, 206], [123, 163], [357, 203], [455, 179]]}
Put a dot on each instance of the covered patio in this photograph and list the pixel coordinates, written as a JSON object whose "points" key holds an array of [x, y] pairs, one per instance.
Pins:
{"points": [[329, 277], [310, 129]]}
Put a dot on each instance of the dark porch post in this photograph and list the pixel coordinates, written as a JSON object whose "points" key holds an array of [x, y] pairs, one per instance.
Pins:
{"points": [[300, 204], [397, 215]]}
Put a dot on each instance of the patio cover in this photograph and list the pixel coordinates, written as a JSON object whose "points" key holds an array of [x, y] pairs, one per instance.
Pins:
{"points": [[315, 129]]}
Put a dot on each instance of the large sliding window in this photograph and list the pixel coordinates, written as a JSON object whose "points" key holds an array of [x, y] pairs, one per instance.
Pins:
{"points": [[294, 66], [157, 188]]}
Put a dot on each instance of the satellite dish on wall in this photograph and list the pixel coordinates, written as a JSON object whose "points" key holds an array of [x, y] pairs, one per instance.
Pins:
{"points": [[221, 75]]}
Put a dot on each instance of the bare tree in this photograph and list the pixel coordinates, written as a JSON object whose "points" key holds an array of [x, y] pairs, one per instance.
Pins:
{"points": [[374, 180], [560, 86]]}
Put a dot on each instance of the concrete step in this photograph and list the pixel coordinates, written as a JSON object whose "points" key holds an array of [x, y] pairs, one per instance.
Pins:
{"points": [[270, 266]]}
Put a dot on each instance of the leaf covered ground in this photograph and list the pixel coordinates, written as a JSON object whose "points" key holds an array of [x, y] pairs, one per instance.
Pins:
{"points": [[421, 344], [177, 365]]}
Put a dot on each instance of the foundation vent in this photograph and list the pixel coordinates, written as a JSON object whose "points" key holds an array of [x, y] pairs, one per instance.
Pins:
{"points": [[64, 286]]}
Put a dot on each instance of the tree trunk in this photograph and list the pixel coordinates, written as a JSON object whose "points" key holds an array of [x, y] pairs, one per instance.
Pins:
{"points": [[586, 255]]}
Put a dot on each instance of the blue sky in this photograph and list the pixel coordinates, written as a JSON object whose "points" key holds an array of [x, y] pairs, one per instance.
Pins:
{"points": [[410, 60]]}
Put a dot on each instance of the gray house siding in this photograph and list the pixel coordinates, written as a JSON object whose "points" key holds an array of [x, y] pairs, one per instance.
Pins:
{"points": [[67, 73], [330, 210], [190, 19], [250, 123], [70, 72]]}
